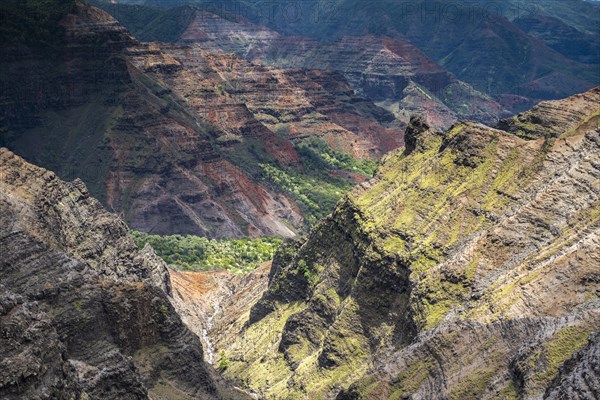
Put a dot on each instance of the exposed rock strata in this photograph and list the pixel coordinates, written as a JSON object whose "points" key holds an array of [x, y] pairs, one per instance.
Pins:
{"points": [[83, 313], [215, 304], [163, 135], [552, 118], [383, 69], [467, 268]]}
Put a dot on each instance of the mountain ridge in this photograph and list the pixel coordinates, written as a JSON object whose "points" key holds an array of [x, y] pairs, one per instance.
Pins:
{"points": [[84, 313], [383, 300], [480, 42]]}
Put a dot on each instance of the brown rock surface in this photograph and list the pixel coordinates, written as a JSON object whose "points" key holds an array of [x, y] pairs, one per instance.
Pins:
{"points": [[164, 134], [83, 313], [387, 70]]}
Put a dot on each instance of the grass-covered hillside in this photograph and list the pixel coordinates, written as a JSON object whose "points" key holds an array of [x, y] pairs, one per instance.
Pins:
{"points": [[326, 176], [322, 178]]}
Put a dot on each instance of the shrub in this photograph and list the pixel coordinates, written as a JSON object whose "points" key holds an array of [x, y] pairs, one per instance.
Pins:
{"points": [[224, 361]]}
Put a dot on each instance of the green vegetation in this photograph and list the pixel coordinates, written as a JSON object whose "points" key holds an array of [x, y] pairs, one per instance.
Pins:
{"points": [[317, 183], [316, 196], [314, 186], [252, 359], [311, 274], [509, 392], [473, 385], [410, 379], [195, 253], [316, 154], [415, 190], [557, 350], [224, 361]]}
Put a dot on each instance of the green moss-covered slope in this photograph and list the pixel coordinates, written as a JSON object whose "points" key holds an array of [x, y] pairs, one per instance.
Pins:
{"points": [[465, 269]]}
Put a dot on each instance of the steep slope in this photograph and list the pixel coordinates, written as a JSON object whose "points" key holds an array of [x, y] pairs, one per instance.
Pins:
{"points": [[579, 15], [382, 69], [177, 139], [475, 40], [552, 118], [467, 268], [151, 24], [84, 313], [565, 39], [212, 303], [250, 101]]}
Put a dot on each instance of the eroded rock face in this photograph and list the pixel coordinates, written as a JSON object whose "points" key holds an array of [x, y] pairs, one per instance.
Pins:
{"points": [[90, 113], [465, 269], [390, 71], [520, 54], [579, 377], [215, 305], [171, 136], [253, 102], [32, 353], [83, 313], [64, 215]]}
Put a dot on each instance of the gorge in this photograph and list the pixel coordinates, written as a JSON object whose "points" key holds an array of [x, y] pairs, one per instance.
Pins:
{"points": [[198, 202]]}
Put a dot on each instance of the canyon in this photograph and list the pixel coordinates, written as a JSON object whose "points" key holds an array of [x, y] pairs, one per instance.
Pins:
{"points": [[518, 53], [173, 138], [220, 132], [389, 71], [431, 186], [495, 297]]}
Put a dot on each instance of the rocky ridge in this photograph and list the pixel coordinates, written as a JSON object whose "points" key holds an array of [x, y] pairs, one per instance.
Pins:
{"points": [[83, 313], [465, 269]]}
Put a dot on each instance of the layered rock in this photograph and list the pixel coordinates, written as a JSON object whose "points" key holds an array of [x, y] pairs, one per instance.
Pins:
{"points": [[254, 102], [171, 136], [141, 149], [553, 118], [384, 69], [216, 304], [518, 53], [465, 269], [84, 314], [64, 215]]}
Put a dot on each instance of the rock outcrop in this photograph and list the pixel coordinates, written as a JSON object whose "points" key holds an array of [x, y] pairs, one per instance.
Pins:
{"points": [[83, 313], [467, 268]]}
